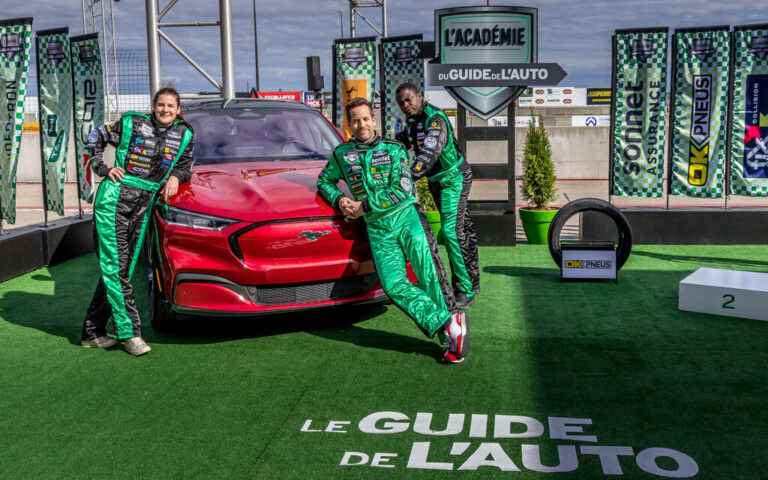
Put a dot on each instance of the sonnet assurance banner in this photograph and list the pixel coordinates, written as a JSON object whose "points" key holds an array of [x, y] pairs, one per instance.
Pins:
{"points": [[640, 92], [749, 147], [15, 43], [401, 62], [354, 72], [88, 103], [699, 133], [54, 77]]}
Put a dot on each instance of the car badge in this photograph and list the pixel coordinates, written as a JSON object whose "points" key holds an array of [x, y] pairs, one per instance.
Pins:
{"points": [[313, 236]]}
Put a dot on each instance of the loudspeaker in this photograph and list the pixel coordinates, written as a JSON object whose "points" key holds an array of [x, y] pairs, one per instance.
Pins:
{"points": [[315, 81]]}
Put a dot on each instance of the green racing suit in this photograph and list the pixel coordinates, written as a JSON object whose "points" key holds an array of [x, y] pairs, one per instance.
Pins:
{"points": [[378, 174], [437, 156], [149, 154]]}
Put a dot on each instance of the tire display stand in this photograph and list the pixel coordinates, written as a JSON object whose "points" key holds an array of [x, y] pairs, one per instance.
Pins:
{"points": [[595, 251]]}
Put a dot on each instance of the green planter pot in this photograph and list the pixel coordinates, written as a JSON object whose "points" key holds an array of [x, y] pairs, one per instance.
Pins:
{"points": [[433, 217], [536, 224]]}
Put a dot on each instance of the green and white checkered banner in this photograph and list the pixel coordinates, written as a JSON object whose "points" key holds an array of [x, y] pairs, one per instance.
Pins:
{"points": [[88, 90], [749, 146], [699, 131], [354, 75], [54, 87], [401, 62], [15, 44], [637, 120]]}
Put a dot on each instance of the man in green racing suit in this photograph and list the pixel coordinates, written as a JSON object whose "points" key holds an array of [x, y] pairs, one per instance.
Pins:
{"points": [[436, 155], [378, 174]]}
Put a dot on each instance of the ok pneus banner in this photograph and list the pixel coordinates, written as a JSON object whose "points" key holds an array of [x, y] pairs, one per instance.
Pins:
{"points": [[354, 74], [15, 42], [401, 62], [88, 90], [699, 130], [749, 145], [54, 87], [637, 113]]}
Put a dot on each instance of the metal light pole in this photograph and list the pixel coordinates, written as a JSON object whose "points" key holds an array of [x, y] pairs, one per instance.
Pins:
{"points": [[153, 47], [256, 46], [227, 72], [355, 10]]}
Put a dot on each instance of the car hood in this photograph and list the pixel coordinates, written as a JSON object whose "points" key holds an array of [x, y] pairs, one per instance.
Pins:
{"points": [[255, 191]]}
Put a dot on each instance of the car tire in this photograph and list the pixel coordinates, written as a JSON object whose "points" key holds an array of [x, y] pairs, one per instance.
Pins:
{"points": [[163, 319], [623, 228]]}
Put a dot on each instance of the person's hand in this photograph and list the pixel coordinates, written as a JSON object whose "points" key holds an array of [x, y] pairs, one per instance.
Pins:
{"points": [[355, 210], [350, 208], [171, 188], [116, 174], [345, 205]]}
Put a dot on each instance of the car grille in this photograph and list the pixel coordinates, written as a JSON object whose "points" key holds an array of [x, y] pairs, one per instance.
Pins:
{"points": [[313, 292]]}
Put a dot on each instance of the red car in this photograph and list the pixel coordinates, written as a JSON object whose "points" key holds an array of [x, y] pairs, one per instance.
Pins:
{"points": [[250, 234]]}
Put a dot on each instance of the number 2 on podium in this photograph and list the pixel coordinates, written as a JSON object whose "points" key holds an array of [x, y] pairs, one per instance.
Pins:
{"points": [[727, 301]]}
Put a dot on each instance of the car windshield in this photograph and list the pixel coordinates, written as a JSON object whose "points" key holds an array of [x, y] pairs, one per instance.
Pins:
{"points": [[254, 134]]}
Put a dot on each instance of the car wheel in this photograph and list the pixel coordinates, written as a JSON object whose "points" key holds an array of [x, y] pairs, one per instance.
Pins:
{"points": [[163, 319]]}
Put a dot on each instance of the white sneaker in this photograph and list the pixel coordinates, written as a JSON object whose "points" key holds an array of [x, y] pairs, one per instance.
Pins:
{"points": [[136, 346], [99, 342]]}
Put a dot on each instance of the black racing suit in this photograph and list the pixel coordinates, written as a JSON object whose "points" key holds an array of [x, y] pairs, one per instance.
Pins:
{"points": [[437, 156], [149, 153]]}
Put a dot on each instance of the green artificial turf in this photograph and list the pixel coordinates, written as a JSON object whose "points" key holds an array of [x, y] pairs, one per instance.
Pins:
{"points": [[226, 398]]}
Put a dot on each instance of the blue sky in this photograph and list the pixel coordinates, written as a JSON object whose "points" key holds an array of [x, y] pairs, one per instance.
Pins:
{"points": [[575, 34]]}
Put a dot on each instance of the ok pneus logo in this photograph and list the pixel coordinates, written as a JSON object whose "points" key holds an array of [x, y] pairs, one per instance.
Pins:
{"points": [[701, 115], [698, 152]]}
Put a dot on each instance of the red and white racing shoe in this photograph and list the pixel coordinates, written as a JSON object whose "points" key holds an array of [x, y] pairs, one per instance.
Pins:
{"points": [[456, 332]]}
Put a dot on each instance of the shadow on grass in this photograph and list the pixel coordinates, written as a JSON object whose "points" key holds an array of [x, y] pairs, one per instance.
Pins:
{"points": [[714, 261], [61, 313]]}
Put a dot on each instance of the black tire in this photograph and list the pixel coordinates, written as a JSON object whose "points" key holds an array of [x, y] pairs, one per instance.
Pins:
{"points": [[163, 319], [591, 204]]}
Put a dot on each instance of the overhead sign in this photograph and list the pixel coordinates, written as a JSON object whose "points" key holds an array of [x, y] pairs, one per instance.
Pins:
{"points": [[313, 99], [599, 96], [482, 36], [288, 95], [497, 74], [590, 120], [553, 97]]}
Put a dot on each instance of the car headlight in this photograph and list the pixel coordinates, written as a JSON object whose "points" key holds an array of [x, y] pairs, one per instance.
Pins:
{"points": [[177, 216]]}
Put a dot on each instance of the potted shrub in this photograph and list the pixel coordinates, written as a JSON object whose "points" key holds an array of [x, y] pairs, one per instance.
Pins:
{"points": [[424, 197], [538, 183]]}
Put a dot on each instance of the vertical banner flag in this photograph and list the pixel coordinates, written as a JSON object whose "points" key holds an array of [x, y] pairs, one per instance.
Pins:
{"points": [[354, 75], [401, 62], [749, 144], [637, 113], [699, 126], [15, 43], [88, 90], [54, 87]]}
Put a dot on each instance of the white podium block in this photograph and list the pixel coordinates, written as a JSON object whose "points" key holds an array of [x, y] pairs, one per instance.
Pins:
{"points": [[725, 292]]}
